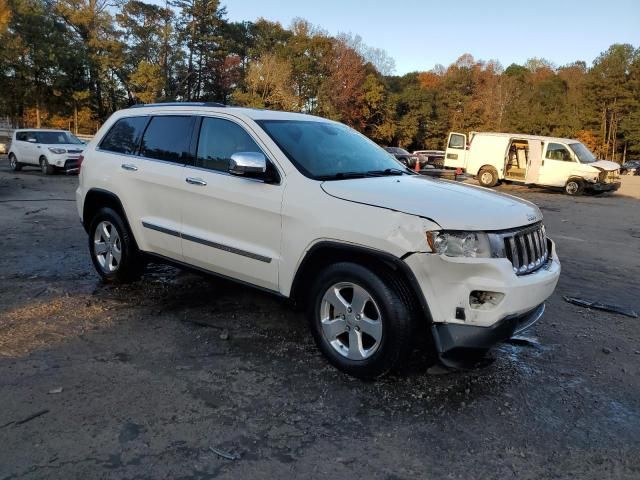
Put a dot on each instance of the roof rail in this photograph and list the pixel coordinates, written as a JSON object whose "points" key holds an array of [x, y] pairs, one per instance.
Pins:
{"points": [[178, 104]]}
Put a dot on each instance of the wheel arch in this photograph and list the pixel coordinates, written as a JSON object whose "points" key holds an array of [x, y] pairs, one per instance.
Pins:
{"points": [[97, 198], [325, 253]]}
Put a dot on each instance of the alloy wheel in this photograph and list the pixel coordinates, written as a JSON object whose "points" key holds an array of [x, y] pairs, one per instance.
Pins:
{"points": [[351, 321], [107, 246]]}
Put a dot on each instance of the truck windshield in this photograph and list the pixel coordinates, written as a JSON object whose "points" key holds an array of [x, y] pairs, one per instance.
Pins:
{"points": [[330, 151], [583, 153], [57, 138]]}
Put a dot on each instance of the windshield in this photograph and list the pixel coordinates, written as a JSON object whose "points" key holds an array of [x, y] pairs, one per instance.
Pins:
{"points": [[57, 138], [583, 153], [325, 151]]}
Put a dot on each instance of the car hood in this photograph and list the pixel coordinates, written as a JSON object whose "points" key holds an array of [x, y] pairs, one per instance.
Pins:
{"points": [[605, 165], [451, 205]]}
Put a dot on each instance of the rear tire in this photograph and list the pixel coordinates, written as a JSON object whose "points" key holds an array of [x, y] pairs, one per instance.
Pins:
{"points": [[488, 177], [361, 323], [45, 167], [113, 250], [574, 187], [15, 165]]}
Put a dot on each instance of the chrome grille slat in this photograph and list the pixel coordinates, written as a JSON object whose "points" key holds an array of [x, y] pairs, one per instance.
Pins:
{"points": [[536, 247], [525, 255], [513, 251], [526, 248]]}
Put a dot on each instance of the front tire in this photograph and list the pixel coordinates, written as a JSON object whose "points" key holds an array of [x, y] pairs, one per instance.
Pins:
{"points": [[45, 167], [15, 165], [488, 177], [361, 323], [574, 187], [113, 250]]}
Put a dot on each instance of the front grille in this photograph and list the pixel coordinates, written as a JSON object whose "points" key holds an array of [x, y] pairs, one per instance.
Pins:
{"points": [[613, 176], [74, 151], [610, 176], [527, 249]]}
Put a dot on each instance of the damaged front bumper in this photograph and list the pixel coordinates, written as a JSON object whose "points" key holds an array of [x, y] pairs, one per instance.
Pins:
{"points": [[453, 340], [604, 187], [464, 320]]}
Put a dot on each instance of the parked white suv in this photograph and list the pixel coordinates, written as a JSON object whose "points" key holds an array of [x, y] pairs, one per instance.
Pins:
{"points": [[311, 210], [49, 149]]}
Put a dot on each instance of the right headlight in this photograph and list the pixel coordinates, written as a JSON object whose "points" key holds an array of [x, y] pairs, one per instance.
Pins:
{"points": [[460, 243]]}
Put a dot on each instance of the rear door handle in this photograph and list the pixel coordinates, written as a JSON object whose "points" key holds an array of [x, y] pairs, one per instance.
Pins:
{"points": [[196, 181], [128, 166]]}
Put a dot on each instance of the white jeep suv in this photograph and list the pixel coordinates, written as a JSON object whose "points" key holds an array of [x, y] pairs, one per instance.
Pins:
{"points": [[51, 150], [309, 209]]}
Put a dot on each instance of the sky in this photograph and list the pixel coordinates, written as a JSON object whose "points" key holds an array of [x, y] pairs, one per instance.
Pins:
{"points": [[421, 34]]}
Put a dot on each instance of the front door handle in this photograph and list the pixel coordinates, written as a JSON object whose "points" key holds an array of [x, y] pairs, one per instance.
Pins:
{"points": [[196, 181], [128, 166]]}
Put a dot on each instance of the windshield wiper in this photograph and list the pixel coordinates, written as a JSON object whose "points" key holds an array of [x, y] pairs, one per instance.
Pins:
{"points": [[342, 175], [387, 171]]}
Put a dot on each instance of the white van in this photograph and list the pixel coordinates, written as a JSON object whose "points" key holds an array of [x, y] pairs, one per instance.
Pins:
{"points": [[531, 160]]}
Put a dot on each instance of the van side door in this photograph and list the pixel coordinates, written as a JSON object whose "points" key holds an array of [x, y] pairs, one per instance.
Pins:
{"points": [[231, 224], [456, 153], [557, 166]]}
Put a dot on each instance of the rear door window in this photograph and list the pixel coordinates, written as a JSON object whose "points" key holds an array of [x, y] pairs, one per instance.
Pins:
{"points": [[168, 138], [124, 136]]}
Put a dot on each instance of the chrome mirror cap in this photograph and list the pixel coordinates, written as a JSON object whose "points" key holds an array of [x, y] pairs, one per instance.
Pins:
{"points": [[242, 163]]}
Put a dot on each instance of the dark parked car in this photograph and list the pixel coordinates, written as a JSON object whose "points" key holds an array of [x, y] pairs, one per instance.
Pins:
{"points": [[401, 154], [632, 167]]}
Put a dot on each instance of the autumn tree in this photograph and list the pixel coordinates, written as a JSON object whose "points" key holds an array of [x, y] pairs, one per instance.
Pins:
{"points": [[341, 91], [268, 85]]}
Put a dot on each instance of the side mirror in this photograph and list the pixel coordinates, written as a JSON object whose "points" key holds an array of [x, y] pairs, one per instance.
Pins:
{"points": [[243, 163], [31, 140]]}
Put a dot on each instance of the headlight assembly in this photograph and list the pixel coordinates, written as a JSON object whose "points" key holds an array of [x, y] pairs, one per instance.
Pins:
{"points": [[57, 151], [460, 244]]}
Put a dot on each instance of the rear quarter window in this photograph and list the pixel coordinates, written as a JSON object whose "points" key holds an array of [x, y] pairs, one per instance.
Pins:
{"points": [[124, 136]]}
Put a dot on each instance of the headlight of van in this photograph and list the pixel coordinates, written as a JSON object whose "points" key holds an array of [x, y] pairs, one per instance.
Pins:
{"points": [[460, 244], [57, 151]]}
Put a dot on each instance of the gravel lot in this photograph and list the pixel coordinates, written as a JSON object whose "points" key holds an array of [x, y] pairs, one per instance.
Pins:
{"points": [[152, 379]]}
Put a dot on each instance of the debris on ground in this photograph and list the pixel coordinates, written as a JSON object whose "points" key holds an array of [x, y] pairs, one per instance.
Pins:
{"points": [[37, 210], [606, 307], [55, 390], [606, 350], [224, 335], [223, 454], [25, 420]]}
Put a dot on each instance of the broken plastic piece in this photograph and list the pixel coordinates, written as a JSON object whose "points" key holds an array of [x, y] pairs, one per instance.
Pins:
{"points": [[223, 454], [622, 310]]}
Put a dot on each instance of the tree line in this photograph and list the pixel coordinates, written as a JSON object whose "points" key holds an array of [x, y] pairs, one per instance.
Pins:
{"points": [[71, 63]]}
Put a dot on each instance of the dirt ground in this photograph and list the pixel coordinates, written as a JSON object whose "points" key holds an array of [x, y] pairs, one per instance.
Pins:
{"points": [[167, 377]]}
